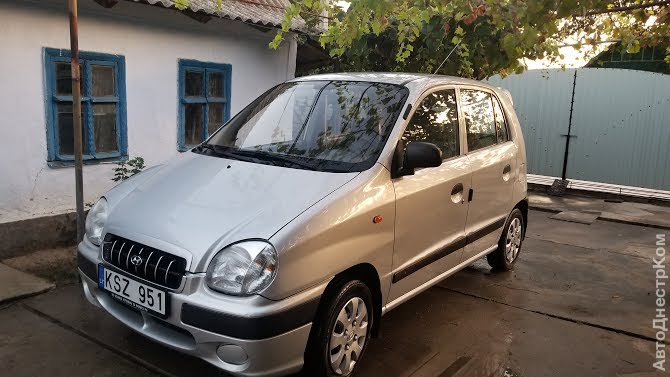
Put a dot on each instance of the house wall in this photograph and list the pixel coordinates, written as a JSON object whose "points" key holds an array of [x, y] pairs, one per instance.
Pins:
{"points": [[152, 40]]}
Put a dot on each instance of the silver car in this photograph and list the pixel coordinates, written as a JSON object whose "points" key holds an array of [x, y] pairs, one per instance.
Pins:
{"points": [[280, 241]]}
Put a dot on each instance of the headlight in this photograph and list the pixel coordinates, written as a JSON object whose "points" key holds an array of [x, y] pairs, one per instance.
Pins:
{"points": [[243, 269], [95, 220]]}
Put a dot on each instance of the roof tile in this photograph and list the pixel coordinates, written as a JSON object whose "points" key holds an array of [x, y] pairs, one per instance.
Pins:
{"points": [[264, 12]]}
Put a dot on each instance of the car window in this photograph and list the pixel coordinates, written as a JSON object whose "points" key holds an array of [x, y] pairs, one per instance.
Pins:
{"points": [[501, 125], [477, 110], [436, 121]]}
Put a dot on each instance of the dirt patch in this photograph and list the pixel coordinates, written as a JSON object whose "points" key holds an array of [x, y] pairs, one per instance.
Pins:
{"points": [[56, 265]]}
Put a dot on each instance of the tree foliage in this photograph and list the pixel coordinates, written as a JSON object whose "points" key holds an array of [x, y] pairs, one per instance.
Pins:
{"points": [[486, 36]]}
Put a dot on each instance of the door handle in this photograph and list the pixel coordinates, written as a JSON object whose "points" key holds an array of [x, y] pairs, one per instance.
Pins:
{"points": [[506, 172], [457, 193]]}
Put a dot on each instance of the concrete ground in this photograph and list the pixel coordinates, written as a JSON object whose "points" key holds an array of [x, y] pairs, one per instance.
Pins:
{"points": [[579, 303], [626, 212]]}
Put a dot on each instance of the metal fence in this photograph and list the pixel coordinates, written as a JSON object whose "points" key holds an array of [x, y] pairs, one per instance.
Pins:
{"points": [[617, 122]]}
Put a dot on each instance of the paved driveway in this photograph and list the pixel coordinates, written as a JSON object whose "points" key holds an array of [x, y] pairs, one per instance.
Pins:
{"points": [[579, 303]]}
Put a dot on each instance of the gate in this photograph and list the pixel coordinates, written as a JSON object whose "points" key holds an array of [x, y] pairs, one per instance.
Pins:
{"points": [[617, 122]]}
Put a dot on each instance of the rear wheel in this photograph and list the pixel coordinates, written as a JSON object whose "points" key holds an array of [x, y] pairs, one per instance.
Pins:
{"points": [[341, 332], [509, 246]]}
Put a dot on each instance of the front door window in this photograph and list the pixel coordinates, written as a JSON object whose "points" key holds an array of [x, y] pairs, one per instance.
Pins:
{"points": [[436, 121]]}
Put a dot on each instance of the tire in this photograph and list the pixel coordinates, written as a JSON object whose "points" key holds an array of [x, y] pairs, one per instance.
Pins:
{"points": [[328, 342], [509, 246]]}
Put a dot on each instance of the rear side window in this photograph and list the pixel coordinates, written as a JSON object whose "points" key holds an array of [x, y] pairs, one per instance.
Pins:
{"points": [[480, 123], [436, 121], [501, 125]]}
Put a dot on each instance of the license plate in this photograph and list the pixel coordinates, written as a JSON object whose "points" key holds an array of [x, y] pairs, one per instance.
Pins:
{"points": [[133, 293]]}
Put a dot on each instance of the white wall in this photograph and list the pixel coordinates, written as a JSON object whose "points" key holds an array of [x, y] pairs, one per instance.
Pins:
{"points": [[152, 39]]}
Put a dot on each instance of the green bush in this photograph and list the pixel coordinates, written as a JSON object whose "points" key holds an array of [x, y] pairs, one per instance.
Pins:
{"points": [[126, 169]]}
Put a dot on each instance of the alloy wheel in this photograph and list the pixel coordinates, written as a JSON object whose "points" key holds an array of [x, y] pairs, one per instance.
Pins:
{"points": [[348, 336], [513, 240]]}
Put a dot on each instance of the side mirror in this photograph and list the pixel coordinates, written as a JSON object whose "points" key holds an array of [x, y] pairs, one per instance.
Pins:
{"points": [[419, 154]]}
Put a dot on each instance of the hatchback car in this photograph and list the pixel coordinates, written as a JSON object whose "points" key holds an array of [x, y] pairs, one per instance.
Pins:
{"points": [[281, 240]]}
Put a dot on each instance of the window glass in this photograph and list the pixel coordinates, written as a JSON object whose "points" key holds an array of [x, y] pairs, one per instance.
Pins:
{"points": [[215, 116], [102, 79], [338, 121], [479, 119], [66, 130], [501, 125], [104, 127], [63, 76], [319, 125], [436, 121], [193, 83], [193, 123], [215, 84], [273, 110]]}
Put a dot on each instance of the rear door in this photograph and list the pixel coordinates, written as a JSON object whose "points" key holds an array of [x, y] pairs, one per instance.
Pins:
{"points": [[492, 158], [430, 205]]}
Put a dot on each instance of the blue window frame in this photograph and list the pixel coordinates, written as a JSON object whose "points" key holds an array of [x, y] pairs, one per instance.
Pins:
{"points": [[204, 100], [103, 103]]}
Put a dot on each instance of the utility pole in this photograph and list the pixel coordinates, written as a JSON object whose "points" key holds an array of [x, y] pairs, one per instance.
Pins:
{"points": [[76, 118], [569, 135]]}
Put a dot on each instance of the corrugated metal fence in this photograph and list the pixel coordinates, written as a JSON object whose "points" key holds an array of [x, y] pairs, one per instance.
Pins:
{"points": [[620, 132]]}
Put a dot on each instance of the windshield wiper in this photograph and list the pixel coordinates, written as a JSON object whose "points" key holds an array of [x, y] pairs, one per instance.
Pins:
{"points": [[231, 154], [272, 157], [258, 156]]}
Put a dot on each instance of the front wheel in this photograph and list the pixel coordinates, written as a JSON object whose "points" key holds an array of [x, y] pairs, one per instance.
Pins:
{"points": [[509, 246], [342, 332]]}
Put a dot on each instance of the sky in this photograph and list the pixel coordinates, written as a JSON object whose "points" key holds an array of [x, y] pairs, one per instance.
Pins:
{"points": [[572, 59]]}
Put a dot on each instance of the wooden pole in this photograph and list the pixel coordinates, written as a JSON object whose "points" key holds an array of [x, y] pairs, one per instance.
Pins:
{"points": [[76, 119]]}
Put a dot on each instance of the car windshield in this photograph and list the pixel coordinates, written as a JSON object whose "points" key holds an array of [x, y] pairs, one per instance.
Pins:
{"points": [[338, 126]]}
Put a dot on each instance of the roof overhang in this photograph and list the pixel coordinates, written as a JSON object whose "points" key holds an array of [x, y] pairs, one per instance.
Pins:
{"points": [[266, 13]]}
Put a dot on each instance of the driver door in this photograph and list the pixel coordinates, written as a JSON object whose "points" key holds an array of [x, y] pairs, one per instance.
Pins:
{"points": [[431, 205]]}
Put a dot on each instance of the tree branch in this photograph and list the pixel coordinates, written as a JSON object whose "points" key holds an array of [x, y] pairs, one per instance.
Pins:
{"points": [[623, 8]]}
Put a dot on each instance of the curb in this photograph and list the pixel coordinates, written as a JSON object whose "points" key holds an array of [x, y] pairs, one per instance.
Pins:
{"points": [[11, 300], [608, 219], [38, 233], [544, 209]]}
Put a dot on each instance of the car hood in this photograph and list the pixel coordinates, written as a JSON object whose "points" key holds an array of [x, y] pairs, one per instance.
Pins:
{"points": [[196, 204]]}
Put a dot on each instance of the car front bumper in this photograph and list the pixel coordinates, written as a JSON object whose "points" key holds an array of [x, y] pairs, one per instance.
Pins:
{"points": [[271, 342]]}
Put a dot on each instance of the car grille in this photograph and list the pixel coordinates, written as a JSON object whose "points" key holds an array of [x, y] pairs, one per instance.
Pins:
{"points": [[150, 264]]}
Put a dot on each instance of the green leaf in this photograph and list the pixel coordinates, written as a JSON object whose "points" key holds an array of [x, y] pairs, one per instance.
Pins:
{"points": [[276, 41], [181, 4], [633, 47], [376, 26], [336, 51], [416, 30]]}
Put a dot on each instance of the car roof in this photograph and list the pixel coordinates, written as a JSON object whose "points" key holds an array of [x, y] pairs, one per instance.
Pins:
{"points": [[398, 78]]}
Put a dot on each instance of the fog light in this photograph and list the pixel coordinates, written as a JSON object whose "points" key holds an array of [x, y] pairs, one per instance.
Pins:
{"points": [[232, 354]]}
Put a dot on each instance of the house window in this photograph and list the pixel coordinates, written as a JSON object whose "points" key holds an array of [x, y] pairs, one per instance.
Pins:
{"points": [[103, 105], [204, 100]]}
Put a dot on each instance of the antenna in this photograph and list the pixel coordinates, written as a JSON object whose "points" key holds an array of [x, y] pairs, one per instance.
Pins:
{"points": [[445, 59]]}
